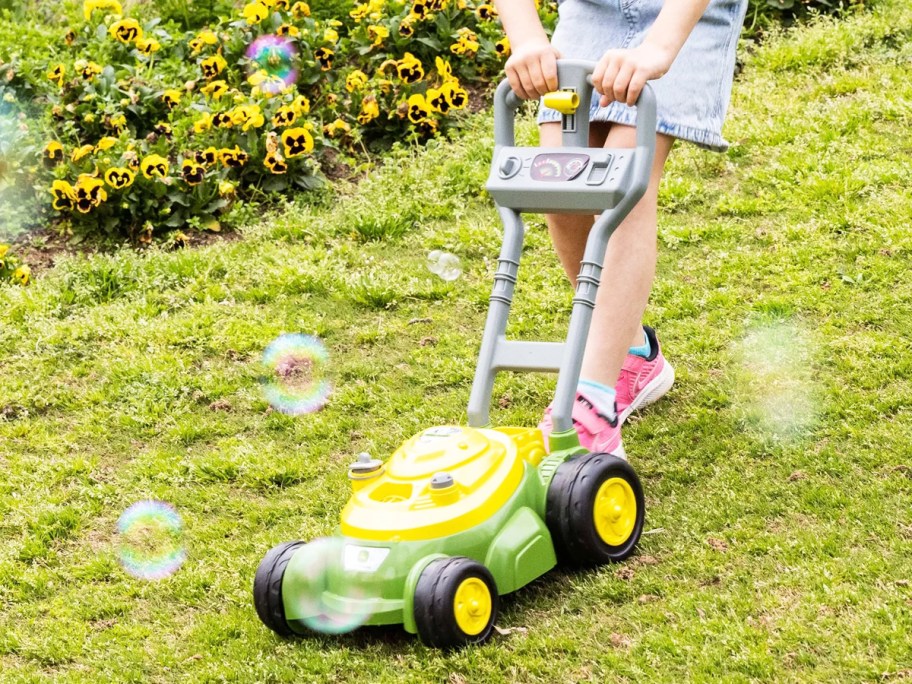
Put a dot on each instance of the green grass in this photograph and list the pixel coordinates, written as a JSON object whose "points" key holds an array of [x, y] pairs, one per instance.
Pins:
{"points": [[779, 542]]}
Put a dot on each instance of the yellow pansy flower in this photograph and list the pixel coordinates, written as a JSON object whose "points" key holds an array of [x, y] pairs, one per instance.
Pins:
{"points": [[331, 36], [336, 127], [148, 45], [119, 177], [203, 124], [215, 89], [275, 163], [409, 68], [22, 274], [53, 152], [297, 141], [255, 12], [90, 193], [105, 143], [285, 116], [248, 116], [485, 12], [207, 157], [301, 105], [82, 151], [154, 165], [502, 47], [90, 6], [418, 108], [288, 30], [300, 10], [355, 80], [57, 74], [235, 158], [467, 43], [126, 30], [171, 98], [213, 66], [193, 173], [325, 57], [377, 34], [64, 195], [370, 110]]}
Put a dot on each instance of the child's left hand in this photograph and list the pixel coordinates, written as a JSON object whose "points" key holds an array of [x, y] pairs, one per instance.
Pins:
{"points": [[621, 74]]}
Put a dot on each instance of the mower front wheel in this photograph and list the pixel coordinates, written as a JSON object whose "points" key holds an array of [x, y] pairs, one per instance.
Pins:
{"points": [[267, 587], [456, 603]]}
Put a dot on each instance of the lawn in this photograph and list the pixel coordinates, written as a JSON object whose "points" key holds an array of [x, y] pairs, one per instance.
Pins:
{"points": [[778, 541]]}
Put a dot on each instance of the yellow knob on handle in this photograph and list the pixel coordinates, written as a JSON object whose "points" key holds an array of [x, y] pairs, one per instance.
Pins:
{"points": [[564, 101]]}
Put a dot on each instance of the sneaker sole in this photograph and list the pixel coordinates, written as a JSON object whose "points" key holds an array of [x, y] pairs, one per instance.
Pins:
{"points": [[652, 392]]}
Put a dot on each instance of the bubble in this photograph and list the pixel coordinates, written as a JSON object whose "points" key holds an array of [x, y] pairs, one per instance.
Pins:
{"points": [[446, 265], [775, 387], [295, 382], [150, 540], [272, 63], [318, 602]]}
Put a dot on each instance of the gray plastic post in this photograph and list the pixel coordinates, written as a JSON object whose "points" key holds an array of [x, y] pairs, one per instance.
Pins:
{"points": [[499, 310], [594, 256]]}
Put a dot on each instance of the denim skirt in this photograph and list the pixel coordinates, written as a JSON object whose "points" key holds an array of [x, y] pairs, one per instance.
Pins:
{"points": [[693, 96]]}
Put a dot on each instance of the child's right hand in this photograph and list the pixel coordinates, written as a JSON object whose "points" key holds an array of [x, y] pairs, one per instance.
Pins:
{"points": [[532, 69]]}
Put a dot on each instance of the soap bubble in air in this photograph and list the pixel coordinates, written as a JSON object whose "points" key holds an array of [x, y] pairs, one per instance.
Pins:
{"points": [[150, 542], [324, 606], [295, 381], [446, 265], [775, 388]]}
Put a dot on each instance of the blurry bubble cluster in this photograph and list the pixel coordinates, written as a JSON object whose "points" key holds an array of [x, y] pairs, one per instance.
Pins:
{"points": [[295, 381], [320, 607], [150, 542], [446, 265], [272, 63], [775, 386]]}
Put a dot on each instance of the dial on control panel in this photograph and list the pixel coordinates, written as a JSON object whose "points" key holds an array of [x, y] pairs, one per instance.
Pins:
{"points": [[557, 167]]}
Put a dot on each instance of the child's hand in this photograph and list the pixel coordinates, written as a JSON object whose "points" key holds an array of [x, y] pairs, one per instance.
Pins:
{"points": [[621, 74], [532, 69]]}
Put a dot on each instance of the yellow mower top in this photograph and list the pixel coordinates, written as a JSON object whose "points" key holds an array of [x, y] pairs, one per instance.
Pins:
{"points": [[442, 481]]}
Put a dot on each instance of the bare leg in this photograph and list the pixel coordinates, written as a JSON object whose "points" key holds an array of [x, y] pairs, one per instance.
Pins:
{"points": [[630, 262]]}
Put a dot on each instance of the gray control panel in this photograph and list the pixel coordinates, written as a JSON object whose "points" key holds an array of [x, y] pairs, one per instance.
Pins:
{"points": [[564, 179]]}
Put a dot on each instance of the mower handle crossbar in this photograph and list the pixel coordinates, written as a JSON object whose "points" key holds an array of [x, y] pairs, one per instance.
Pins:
{"points": [[497, 353]]}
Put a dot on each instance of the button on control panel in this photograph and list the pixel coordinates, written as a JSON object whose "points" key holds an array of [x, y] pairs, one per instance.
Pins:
{"points": [[510, 167]]}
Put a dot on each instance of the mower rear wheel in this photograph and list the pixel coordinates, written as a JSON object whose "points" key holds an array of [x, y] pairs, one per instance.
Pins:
{"points": [[267, 587], [595, 510], [456, 603]]}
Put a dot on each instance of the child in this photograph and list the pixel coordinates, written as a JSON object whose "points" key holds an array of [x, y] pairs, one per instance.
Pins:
{"points": [[689, 47]]}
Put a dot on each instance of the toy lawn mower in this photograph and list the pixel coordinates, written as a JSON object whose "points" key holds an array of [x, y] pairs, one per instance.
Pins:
{"points": [[460, 516]]}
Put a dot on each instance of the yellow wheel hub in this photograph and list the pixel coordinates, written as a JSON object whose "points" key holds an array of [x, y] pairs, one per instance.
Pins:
{"points": [[615, 511], [472, 606]]}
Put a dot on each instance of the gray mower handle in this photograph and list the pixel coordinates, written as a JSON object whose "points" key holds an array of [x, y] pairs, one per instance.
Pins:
{"points": [[572, 73]]}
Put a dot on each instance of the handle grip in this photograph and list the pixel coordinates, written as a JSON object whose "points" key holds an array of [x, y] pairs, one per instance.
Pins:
{"points": [[576, 74]]}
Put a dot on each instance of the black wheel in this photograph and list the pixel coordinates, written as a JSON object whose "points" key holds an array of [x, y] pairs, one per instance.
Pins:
{"points": [[595, 510], [456, 603], [267, 587]]}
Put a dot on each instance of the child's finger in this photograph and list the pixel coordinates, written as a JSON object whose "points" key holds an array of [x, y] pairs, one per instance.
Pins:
{"points": [[607, 81], [515, 82], [539, 84], [549, 71], [622, 81], [637, 83]]}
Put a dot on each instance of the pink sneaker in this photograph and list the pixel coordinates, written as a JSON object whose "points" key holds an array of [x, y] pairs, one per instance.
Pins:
{"points": [[597, 432], [643, 381]]}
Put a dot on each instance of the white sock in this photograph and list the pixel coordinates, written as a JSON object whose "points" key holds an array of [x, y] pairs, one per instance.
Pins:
{"points": [[601, 396]]}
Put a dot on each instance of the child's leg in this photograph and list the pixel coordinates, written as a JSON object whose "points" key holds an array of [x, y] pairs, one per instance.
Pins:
{"points": [[629, 268]]}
